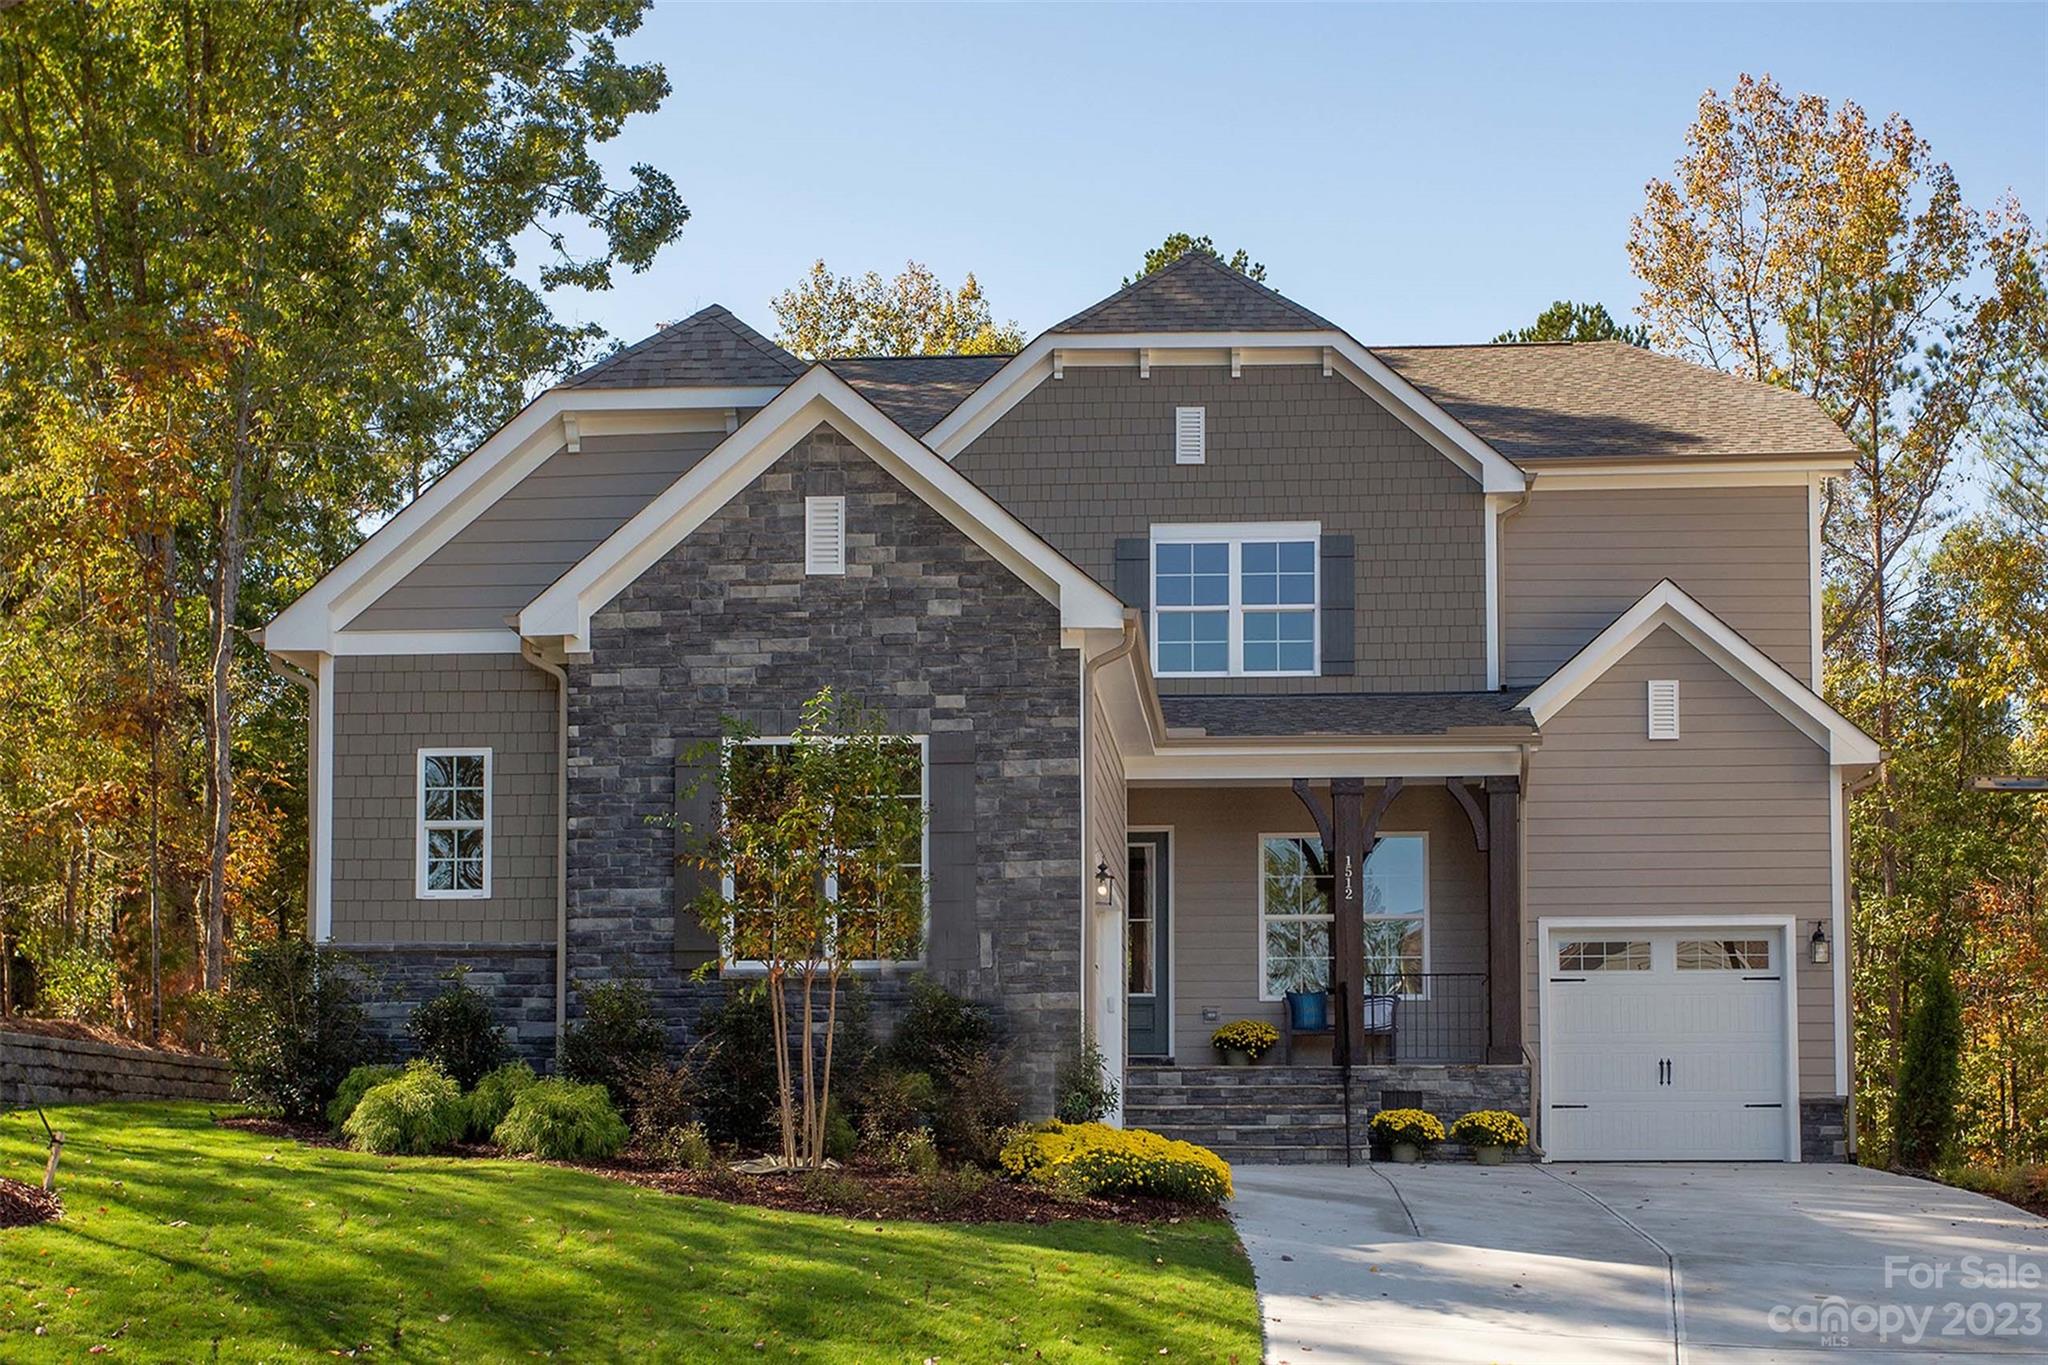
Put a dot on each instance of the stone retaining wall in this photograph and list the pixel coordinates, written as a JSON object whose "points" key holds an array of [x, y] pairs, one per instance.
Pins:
{"points": [[38, 1069]]}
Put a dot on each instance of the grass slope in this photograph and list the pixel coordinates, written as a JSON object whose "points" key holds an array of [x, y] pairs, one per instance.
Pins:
{"points": [[185, 1241]]}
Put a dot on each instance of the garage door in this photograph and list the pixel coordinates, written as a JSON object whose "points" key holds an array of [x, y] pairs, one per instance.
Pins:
{"points": [[1665, 1045]]}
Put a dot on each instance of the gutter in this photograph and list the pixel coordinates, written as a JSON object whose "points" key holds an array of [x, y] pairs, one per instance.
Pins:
{"points": [[530, 651]]}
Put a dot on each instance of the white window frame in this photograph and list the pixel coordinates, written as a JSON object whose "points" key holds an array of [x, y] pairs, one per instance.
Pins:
{"points": [[754, 966], [421, 825], [1259, 874], [1236, 535]]}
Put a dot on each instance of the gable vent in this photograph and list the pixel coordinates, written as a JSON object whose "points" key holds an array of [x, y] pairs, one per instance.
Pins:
{"points": [[1663, 708], [825, 535], [1190, 435]]}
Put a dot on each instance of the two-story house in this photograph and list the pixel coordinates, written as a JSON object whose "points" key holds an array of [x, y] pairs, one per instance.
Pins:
{"points": [[1474, 683]]}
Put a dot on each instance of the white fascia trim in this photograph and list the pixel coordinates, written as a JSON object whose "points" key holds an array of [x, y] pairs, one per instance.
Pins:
{"points": [[1667, 604], [1742, 472], [565, 609], [323, 800], [481, 641], [1033, 365], [1788, 931], [452, 501], [1226, 762], [1838, 913]]}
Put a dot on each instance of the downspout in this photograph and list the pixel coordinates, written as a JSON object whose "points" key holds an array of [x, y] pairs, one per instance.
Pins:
{"points": [[1089, 668], [307, 683], [530, 651]]}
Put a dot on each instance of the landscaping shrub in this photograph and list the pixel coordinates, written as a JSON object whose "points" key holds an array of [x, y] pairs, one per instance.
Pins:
{"points": [[422, 1110], [974, 1108], [455, 1032], [492, 1098], [685, 1147], [660, 1099], [1490, 1128], [892, 1103], [1095, 1159], [954, 1042], [912, 1153], [562, 1121], [736, 1075], [1083, 1091], [841, 1141], [1924, 1113], [354, 1086], [938, 1028], [292, 1027], [951, 1191], [617, 1036]]}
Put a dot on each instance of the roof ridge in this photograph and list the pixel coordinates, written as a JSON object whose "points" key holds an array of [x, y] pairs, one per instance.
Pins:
{"points": [[733, 323]]}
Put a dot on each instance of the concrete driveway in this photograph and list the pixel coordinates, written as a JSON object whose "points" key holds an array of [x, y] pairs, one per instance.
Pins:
{"points": [[1695, 1264]]}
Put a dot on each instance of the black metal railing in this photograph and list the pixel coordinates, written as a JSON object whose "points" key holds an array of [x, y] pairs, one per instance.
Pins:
{"points": [[1425, 1017]]}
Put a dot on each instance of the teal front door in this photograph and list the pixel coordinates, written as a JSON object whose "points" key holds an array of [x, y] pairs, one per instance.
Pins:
{"points": [[1147, 909]]}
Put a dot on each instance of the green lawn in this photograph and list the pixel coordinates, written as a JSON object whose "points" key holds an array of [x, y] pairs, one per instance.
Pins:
{"points": [[184, 1241]]}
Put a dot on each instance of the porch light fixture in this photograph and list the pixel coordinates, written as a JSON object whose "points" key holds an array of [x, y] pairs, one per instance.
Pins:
{"points": [[1818, 945], [1103, 882]]}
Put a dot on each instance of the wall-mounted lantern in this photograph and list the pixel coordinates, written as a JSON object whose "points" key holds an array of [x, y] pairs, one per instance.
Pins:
{"points": [[1818, 946], [1104, 882]]}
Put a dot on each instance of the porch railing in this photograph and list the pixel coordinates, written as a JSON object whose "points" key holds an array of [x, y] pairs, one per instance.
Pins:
{"points": [[1436, 1017]]}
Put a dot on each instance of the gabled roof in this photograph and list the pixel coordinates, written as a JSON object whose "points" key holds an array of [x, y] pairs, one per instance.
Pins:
{"points": [[1611, 400], [1417, 714], [1196, 293], [1668, 605], [917, 390], [710, 346], [564, 610]]}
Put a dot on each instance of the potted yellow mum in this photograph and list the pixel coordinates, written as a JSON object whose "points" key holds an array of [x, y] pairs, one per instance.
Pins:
{"points": [[1244, 1041], [1491, 1134], [1407, 1133]]}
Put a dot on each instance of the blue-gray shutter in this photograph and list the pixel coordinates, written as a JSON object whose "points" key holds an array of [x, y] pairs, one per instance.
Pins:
{"points": [[696, 814], [954, 942], [1340, 602], [1134, 572]]}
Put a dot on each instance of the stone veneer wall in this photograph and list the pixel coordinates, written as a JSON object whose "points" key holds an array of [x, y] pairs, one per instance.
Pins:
{"points": [[1824, 1130], [517, 979], [925, 626], [38, 1069]]}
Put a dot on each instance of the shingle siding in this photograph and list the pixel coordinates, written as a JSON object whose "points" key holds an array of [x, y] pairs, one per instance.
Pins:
{"points": [[1088, 459], [385, 710]]}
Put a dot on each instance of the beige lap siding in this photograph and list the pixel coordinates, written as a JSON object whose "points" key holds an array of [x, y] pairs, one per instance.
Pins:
{"points": [[1729, 819], [385, 710], [1573, 561], [1215, 924]]}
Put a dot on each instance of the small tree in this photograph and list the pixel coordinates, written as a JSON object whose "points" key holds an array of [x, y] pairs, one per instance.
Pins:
{"points": [[1931, 1074], [819, 840]]}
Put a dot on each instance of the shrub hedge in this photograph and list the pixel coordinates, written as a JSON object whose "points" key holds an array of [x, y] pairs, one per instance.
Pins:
{"points": [[563, 1121], [1095, 1159], [420, 1111]]}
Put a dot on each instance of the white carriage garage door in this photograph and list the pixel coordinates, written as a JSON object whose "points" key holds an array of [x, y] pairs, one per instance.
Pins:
{"points": [[1666, 1044]]}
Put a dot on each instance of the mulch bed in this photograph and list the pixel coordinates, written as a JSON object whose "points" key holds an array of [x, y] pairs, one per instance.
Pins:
{"points": [[849, 1192], [23, 1206]]}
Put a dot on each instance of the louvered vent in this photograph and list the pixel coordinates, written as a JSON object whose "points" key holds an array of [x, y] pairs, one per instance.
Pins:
{"points": [[1663, 708], [825, 535], [1190, 435]]}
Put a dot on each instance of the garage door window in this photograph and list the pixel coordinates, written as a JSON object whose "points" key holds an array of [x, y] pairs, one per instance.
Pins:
{"points": [[1603, 955], [1724, 955]]}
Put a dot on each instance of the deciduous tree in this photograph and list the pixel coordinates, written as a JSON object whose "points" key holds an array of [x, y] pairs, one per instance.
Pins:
{"points": [[830, 315]]}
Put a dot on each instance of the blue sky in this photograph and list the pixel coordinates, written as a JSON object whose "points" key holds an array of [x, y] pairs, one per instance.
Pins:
{"points": [[1416, 173]]}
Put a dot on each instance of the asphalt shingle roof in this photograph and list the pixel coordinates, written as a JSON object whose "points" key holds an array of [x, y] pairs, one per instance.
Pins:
{"points": [[1197, 293], [1349, 713], [1611, 399], [916, 391], [709, 347]]}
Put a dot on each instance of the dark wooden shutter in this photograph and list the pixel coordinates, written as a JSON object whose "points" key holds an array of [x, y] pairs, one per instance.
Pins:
{"points": [[696, 812], [1134, 572], [954, 942], [1340, 603]]}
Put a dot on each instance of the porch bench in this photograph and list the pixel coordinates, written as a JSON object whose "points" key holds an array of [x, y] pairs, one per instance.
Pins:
{"points": [[1380, 1011]]}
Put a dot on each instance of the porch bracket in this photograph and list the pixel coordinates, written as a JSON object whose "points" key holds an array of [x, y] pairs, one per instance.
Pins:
{"points": [[1463, 795], [1319, 812]]}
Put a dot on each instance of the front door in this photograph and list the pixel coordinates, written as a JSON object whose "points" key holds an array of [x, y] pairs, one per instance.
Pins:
{"points": [[1149, 1003]]}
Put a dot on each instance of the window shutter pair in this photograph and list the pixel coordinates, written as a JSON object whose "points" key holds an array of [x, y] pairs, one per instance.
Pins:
{"points": [[1133, 585], [955, 939]]}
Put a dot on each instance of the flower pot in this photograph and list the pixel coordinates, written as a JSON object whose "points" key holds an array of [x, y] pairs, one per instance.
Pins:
{"points": [[1236, 1056], [1490, 1155], [1407, 1153], [1308, 1011]]}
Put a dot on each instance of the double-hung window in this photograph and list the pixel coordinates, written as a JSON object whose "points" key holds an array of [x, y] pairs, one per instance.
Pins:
{"points": [[759, 780], [1297, 914], [1232, 601], [453, 836]]}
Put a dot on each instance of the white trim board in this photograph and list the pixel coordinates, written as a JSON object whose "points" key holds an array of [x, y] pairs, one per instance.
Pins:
{"points": [[1667, 604], [1342, 355], [1787, 928], [565, 608], [455, 499]]}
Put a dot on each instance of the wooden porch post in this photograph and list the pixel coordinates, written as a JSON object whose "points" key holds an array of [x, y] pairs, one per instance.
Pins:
{"points": [[1504, 919], [1347, 901]]}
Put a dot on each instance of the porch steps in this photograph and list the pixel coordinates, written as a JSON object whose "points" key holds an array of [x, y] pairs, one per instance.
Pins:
{"points": [[1257, 1115]]}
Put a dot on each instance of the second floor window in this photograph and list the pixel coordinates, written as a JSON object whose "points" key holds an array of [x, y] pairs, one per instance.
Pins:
{"points": [[1234, 600]]}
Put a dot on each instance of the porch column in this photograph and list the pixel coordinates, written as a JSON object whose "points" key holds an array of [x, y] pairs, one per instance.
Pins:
{"points": [[1504, 919], [1348, 844]]}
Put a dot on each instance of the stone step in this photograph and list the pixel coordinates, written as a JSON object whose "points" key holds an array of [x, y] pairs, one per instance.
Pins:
{"points": [[1181, 1115], [1234, 1075]]}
